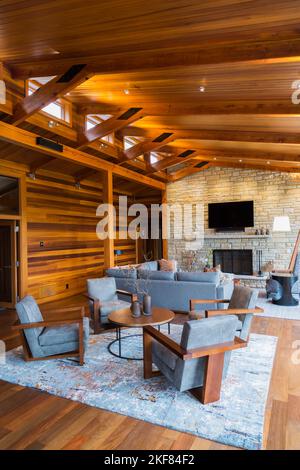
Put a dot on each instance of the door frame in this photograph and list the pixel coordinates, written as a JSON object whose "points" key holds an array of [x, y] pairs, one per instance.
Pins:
{"points": [[12, 224], [14, 172]]}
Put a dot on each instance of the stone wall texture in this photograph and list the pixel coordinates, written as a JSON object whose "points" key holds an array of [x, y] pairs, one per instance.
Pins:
{"points": [[273, 193]]}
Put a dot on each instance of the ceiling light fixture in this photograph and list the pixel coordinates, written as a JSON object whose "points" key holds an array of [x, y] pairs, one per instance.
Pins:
{"points": [[126, 91], [202, 89], [268, 163], [240, 161]]}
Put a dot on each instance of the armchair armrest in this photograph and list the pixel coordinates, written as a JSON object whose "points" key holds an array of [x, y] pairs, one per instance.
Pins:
{"points": [[125, 292], [194, 302], [233, 311], [185, 355], [26, 326]]}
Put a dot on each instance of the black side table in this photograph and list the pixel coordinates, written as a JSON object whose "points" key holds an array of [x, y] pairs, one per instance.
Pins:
{"points": [[286, 283]]}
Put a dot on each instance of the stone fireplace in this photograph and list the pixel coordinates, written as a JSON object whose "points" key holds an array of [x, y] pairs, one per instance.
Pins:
{"points": [[234, 261]]}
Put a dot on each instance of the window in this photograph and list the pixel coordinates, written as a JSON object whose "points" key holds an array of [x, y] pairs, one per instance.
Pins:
{"points": [[9, 195], [94, 120], [59, 109], [153, 158]]}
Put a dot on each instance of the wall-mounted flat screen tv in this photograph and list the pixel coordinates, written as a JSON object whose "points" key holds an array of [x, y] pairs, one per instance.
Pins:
{"points": [[231, 215]]}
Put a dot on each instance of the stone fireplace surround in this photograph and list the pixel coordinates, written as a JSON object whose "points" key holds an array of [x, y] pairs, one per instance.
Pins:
{"points": [[273, 193]]}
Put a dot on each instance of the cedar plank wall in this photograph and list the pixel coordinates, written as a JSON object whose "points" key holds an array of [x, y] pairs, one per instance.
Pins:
{"points": [[64, 218]]}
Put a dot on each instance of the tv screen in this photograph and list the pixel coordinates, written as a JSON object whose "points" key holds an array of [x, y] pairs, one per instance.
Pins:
{"points": [[231, 215]]}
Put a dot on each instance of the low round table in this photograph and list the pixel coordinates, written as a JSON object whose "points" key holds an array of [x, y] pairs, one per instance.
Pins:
{"points": [[286, 283], [124, 318]]}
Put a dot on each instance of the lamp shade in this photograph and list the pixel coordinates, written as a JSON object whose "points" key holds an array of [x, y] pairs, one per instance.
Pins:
{"points": [[281, 224]]}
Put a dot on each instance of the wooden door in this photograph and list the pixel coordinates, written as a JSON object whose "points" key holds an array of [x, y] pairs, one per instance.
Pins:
{"points": [[8, 264]]}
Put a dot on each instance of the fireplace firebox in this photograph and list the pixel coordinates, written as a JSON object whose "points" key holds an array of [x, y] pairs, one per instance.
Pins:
{"points": [[234, 261]]}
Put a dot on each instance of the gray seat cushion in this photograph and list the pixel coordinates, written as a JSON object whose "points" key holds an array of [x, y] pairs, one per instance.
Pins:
{"points": [[63, 334], [108, 307], [28, 312], [103, 288], [166, 356]]}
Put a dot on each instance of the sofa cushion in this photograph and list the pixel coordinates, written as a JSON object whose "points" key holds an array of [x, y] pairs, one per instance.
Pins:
{"points": [[156, 275], [116, 272], [63, 334], [103, 288], [213, 277], [149, 265]]}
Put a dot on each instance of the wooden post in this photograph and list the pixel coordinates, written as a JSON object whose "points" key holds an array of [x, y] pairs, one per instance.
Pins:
{"points": [[107, 191], [164, 225]]}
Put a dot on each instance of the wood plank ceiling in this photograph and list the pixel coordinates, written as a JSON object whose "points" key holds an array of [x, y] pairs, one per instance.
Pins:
{"points": [[215, 76]]}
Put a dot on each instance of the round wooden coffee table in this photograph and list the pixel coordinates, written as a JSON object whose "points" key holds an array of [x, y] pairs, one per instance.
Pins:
{"points": [[124, 318]]}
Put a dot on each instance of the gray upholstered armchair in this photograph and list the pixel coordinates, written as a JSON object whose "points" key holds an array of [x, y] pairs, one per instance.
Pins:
{"points": [[197, 358], [103, 299], [241, 304], [51, 339]]}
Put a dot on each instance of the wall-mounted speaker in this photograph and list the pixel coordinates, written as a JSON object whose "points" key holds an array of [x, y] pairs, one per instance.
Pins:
{"points": [[49, 144]]}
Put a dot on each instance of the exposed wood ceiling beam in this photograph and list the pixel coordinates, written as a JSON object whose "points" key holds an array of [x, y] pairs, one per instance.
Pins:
{"points": [[48, 93], [124, 118], [256, 51], [163, 138], [253, 155], [171, 161], [83, 174], [27, 139], [188, 171], [253, 166], [224, 135], [40, 163], [216, 107]]}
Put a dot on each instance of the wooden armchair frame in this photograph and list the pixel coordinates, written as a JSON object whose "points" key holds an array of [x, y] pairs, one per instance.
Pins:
{"points": [[211, 389], [26, 326], [96, 310], [226, 311]]}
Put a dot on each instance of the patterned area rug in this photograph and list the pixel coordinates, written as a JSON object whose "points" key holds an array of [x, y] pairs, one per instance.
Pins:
{"points": [[117, 385], [277, 311]]}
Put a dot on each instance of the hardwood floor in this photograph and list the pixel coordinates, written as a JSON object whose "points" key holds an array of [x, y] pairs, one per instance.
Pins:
{"points": [[30, 419]]}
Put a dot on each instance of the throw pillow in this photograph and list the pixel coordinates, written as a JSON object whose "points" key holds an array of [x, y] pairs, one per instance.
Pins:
{"points": [[212, 270], [168, 265]]}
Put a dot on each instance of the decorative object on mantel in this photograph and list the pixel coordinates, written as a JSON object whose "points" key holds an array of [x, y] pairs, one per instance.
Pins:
{"points": [[147, 305], [262, 231], [257, 232], [267, 231], [135, 309]]}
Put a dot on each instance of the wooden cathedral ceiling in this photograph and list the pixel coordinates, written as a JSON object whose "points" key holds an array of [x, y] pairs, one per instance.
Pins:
{"points": [[215, 76]]}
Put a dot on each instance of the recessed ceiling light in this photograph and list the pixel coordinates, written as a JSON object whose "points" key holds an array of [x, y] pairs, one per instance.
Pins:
{"points": [[268, 163], [240, 161], [215, 158], [202, 89], [126, 91]]}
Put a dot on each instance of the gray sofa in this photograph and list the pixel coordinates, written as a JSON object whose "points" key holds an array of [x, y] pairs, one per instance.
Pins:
{"points": [[172, 290]]}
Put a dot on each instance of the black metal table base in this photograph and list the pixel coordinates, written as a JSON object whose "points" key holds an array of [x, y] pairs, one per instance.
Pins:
{"points": [[119, 340]]}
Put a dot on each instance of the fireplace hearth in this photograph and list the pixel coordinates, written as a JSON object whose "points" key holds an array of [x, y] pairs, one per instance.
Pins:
{"points": [[234, 261]]}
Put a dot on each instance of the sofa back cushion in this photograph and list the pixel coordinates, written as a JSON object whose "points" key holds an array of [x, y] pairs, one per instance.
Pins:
{"points": [[28, 312], [102, 289], [156, 275], [116, 272], [149, 265], [213, 277]]}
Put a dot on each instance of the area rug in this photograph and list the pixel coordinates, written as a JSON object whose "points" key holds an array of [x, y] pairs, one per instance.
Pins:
{"points": [[117, 385], [277, 311]]}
